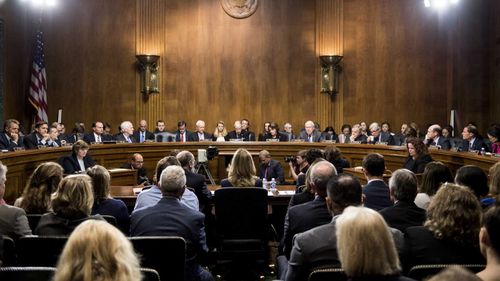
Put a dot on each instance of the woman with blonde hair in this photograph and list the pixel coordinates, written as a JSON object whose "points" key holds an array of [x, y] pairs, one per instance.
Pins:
{"points": [[71, 205], [242, 171], [220, 132], [104, 204], [449, 235], [39, 188], [97, 251], [366, 246]]}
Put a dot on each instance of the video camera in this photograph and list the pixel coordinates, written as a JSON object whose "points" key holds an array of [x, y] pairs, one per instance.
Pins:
{"points": [[290, 159]]}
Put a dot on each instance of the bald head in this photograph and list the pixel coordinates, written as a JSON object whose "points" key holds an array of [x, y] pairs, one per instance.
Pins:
{"points": [[321, 173]]}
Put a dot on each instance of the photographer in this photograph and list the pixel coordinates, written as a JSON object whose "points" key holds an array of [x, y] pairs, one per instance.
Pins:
{"points": [[298, 164]]}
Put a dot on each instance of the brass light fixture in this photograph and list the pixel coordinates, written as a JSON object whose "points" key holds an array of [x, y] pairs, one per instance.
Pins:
{"points": [[148, 66], [330, 72]]}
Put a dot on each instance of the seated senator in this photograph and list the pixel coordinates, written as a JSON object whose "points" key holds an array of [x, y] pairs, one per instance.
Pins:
{"points": [[273, 134], [242, 171], [79, 161]]}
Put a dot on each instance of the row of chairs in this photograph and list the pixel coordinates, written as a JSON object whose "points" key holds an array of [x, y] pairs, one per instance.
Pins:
{"points": [[164, 254], [47, 274], [418, 272]]}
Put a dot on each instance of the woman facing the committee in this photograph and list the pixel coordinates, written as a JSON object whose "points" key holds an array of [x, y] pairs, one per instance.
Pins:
{"points": [[97, 251], [242, 171], [366, 246]]}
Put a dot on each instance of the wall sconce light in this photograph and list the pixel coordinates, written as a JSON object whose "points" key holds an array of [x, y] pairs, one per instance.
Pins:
{"points": [[330, 72], [148, 65]]}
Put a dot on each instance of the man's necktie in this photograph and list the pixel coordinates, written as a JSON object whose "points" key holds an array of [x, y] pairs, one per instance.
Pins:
{"points": [[201, 137], [182, 137], [98, 138], [142, 136]]}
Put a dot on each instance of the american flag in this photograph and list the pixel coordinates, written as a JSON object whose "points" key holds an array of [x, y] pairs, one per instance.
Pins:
{"points": [[38, 85]]}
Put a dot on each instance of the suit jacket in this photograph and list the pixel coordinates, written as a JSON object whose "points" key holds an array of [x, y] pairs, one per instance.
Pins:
{"points": [[5, 143], [31, 141], [121, 137], [274, 170], [476, 145], [328, 137], [303, 217], [171, 218], [318, 246], [90, 138], [249, 135], [403, 215], [315, 134], [421, 247], [289, 136], [418, 165], [442, 142], [279, 136], [300, 198], [384, 137], [194, 136], [71, 166], [164, 137], [178, 136], [360, 138], [233, 136], [72, 138], [148, 136], [13, 222], [377, 195], [197, 182]]}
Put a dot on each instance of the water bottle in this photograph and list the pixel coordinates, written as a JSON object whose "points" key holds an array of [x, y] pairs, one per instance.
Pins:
{"points": [[273, 184], [483, 151], [264, 183]]}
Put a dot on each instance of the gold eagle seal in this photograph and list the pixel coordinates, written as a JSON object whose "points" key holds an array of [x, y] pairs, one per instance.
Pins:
{"points": [[239, 8]]}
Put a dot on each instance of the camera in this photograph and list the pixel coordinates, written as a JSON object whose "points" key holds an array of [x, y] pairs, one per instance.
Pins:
{"points": [[212, 151], [290, 159]]}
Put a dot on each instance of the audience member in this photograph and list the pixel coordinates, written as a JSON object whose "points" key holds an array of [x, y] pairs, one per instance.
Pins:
{"points": [[182, 135], [334, 156], [418, 156], [143, 135], [299, 166], [376, 191], [404, 213], [318, 246], [472, 141], [151, 196], [71, 205], [494, 137], [220, 132], [104, 204], [79, 161], [474, 178], [435, 174], [365, 246], [136, 162], [126, 133], [270, 168], [242, 171], [434, 138], [10, 139], [170, 217], [13, 221], [195, 181], [245, 127], [310, 134], [97, 135], [378, 136], [489, 240], [449, 235], [39, 188], [453, 273], [98, 251], [200, 134], [494, 184], [39, 137]]}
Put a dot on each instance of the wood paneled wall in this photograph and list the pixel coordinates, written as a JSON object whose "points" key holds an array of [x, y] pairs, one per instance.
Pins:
{"points": [[402, 62]]}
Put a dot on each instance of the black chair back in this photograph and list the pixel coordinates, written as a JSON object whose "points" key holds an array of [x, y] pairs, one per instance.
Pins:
{"points": [[40, 250], [149, 274], [8, 254], [33, 220], [327, 274], [165, 254], [423, 271], [110, 219], [27, 273]]}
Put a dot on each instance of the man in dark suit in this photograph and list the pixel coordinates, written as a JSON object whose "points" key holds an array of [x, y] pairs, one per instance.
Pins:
{"points": [[200, 134], [404, 213], [195, 181], [318, 246], [376, 191], [171, 218], [378, 136], [300, 218], [310, 134], [245, 127], [288, 132], [237, 134], [161, 134], [39, 137], [182, 135], [472, 141], [10, 138], [270, 168], [136, 162], [356, 135], [434, 138], [143, 134], [53, 140], [97, 135], [126, 132], [274, 134]]}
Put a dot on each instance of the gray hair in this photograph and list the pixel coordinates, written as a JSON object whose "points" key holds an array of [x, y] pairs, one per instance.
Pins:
{"points": [[3, 173], [374, 126], [404, 184], [126, 124], [321, 173], [172, 179]]}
